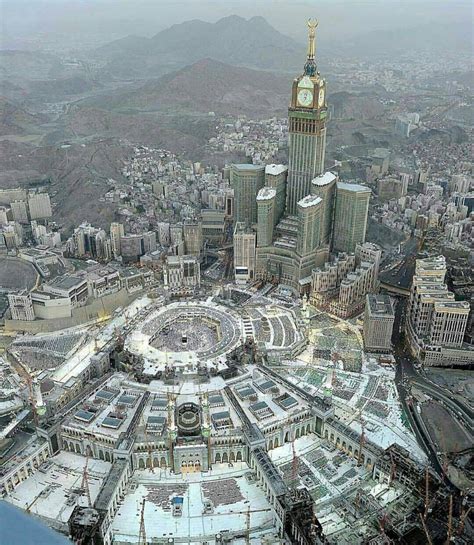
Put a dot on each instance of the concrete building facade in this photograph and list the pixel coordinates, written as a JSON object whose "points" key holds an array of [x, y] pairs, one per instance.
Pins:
{"points": [[379, 317]]}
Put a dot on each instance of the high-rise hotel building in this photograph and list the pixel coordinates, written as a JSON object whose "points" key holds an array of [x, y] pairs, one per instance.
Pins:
{"points": [[307, 117]]}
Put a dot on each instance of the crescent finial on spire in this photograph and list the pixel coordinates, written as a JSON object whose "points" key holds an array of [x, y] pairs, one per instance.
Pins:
{"points": [[312, 25]]}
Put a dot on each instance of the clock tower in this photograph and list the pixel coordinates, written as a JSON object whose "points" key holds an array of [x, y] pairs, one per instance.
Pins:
{"points": [[307, 116]]}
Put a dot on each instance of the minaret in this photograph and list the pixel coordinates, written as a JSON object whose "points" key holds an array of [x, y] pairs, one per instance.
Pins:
{"points": [[171, 429], [307, 127]]}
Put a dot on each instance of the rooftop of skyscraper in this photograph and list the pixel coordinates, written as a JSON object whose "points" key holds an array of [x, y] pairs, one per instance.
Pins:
{"points": [[275, 169], [324, 179], [266, 193], [309, 200], [353, 187]]}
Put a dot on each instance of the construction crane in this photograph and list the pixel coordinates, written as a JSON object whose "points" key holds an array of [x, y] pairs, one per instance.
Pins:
{"points": [[294, 465], [142, 533], [31, 397], [30, 505], [392, 469], [427, 493], [462, 520], [85, 483], [450, 520], [430, 542]]}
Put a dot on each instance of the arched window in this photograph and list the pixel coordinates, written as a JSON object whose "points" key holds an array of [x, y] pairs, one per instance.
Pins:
{"points": [[218, 458], [141, 463], [225, 458]]}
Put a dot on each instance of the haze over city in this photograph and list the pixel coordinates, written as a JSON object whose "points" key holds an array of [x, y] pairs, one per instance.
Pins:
{"points": [[236, 272]]}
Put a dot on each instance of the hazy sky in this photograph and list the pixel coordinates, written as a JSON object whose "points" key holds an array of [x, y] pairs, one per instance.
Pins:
{"points": [[103, 20]]}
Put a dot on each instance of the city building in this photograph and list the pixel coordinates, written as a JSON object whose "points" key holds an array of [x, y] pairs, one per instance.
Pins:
{"points": [[21, 306], [116, 233], [246, 181], [378, 323], [436, 323], [72, 287], [350, 216], [19, 211], [245, 241], [182, 274], [40, 206], [213, 226], [341, 285], [193, 238], [276, 177], [266, 215], [307, 117], [324, 187]]}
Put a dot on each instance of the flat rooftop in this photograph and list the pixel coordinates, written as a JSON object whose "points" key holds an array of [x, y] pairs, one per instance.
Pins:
{"points": [[380, 305], [357, 188], [57, 486]]}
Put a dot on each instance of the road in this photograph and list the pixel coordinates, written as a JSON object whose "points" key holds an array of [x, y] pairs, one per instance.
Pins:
{"points": [[407, 376]]}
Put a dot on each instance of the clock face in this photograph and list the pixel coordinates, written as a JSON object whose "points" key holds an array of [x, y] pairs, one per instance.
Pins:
{"points": [[321, 97], [305, 97]]}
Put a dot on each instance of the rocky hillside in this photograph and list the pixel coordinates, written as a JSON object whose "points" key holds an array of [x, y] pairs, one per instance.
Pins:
{"points": [[206, 86]]}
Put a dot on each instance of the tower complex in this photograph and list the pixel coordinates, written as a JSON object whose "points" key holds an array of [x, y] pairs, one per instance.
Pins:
{"points": [[307, 116]]}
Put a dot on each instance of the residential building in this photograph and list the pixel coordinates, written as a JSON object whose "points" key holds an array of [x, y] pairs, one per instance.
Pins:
{"points": [[246, 181], [19, 211], [245, 241], [379, 318], [350, 216], [324, 186], [116, 233], [21, 306], [182, 274], [276, 177], [266, 215], [40, 206]]}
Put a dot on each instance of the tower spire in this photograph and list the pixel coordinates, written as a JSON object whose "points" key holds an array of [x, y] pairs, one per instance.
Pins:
{"points": [[310, 68]]}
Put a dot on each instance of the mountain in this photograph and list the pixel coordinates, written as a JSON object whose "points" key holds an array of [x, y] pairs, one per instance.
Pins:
{"points": [[233, 40], [205, 86], [15, 120]]}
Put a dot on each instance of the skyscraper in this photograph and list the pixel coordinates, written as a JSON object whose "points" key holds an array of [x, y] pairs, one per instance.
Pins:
{"points": [[116, 233], [324, 186], [244, 252], [307, 127], [350, 216], [275, 177], [266, 208], [309, 220], [246, 181]]}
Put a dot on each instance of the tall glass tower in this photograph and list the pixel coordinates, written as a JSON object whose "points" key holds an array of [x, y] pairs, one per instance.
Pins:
{"points": [[307, 127]]}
